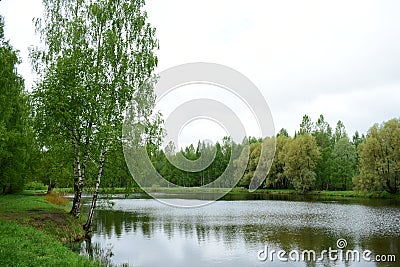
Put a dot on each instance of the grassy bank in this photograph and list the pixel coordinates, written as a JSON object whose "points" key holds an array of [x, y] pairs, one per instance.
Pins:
{"points": [[316, 193], [240, 190], [356, 194], [32, 233], [326, 193]]}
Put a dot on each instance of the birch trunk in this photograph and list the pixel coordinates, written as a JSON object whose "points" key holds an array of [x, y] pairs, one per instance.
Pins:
{"points": [[78, 181], [78, 187], [87, 226], [75, 210]]}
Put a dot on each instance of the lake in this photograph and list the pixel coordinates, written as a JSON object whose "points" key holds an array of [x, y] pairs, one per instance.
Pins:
{"points": [[139, 231]]}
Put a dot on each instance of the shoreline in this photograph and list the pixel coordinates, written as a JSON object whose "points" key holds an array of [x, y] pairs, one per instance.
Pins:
{"points": [[35, 232], [350, 194]]}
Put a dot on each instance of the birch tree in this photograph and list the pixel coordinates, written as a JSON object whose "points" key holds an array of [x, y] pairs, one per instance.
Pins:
{"points": [[97, 56]]}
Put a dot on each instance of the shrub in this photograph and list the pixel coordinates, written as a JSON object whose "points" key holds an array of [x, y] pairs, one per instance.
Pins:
{"points": [[57, 199], [34, 185]]}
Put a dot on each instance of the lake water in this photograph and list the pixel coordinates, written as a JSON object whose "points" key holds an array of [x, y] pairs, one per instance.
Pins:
{"points": [[143, 232]]}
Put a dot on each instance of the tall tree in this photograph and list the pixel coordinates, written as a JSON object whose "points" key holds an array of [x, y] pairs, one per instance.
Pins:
{"points": [[344, 163], [323, 132], [380, 158], [97, 58], [254, 157], [282, 132], [258, 164], [340, 131], [357, 139], [277, 177], [323, 137], [301, 156], [15, 134], [306, 125]]}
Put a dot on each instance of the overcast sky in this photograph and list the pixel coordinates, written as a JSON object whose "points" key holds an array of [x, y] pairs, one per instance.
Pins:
{"points": [[336, 58]]}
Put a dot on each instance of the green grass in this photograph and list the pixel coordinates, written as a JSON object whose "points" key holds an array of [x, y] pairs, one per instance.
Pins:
{"points": [[356, 194], [316, 193], [32, 233], [350, 194], [27, 246], [35, 211], [114, 190]]}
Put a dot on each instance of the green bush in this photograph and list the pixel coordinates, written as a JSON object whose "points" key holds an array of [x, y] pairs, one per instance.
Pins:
{"points": [[34, 185]]}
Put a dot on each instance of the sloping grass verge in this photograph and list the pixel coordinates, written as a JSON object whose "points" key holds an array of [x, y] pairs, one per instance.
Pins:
{"points": [[32, 233]]}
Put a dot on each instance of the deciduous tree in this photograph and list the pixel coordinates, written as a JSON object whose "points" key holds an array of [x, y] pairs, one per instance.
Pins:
{"points": [[323, 137], [380, 158], [15, 135], [277, 177], [301, 156], [98, 57], [344, 163]]}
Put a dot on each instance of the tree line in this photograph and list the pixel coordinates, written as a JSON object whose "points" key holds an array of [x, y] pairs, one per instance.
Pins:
{"points": [[317, 157]]}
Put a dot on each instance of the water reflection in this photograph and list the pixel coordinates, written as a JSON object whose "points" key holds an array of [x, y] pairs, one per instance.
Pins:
{"points": [[143, 232]]}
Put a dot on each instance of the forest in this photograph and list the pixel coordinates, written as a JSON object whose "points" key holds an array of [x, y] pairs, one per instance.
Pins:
{"points": [[317, 157]]}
